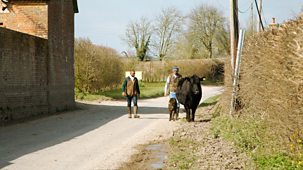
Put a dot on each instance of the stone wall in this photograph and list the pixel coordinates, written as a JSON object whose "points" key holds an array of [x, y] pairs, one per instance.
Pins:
{"points": [[37, 73], [23, 75]]}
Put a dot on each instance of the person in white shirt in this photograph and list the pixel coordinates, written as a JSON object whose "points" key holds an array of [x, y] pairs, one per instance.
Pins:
{"points": [[171, 85]]}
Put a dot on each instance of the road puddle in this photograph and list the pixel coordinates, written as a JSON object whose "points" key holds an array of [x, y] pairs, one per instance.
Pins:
{"points": [[158, 155], [150, 157]]}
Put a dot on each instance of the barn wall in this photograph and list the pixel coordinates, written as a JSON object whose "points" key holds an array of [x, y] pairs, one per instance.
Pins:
{"points": [[23, 75], [61, 55]]}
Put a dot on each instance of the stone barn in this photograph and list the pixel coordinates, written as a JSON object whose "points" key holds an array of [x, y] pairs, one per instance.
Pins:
{"points": [[36, 57]]}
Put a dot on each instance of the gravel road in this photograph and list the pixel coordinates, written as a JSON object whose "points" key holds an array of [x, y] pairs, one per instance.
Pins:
{"points": [[97, 136]]}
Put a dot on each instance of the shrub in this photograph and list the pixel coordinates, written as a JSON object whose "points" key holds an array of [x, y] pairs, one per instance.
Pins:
{"points": [[269, 98], [97, 68], [157, 71]]}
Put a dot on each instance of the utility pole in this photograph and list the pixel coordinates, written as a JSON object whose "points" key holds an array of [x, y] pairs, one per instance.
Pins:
{"points": [[260, 11], [252, 18], [234, 32], [261, 26]]}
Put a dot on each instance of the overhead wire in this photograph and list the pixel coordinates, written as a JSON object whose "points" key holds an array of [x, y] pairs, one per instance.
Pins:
{"points": [[242, 12], [260, 17], [245, 11]]}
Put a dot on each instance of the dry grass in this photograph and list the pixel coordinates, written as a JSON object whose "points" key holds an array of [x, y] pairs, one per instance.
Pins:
{"points": [[271, 83]]}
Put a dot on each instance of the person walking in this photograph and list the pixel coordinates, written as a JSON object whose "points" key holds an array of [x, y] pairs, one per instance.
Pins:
{"points": [[130, 90], [171, 85]]}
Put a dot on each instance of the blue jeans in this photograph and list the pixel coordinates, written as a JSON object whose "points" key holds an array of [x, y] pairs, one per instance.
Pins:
{"points": [[130, 99]]}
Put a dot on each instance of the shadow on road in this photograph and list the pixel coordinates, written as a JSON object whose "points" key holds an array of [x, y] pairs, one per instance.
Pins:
{"points": [[20, 139]]}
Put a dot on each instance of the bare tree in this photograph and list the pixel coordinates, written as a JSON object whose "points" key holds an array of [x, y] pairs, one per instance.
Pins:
{"points": [[184, 48], [205, 24], [222, 40], [138, 36], [168, 25]]}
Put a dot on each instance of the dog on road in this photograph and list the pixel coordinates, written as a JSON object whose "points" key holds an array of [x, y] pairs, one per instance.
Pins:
{"points": [[172, 109]]}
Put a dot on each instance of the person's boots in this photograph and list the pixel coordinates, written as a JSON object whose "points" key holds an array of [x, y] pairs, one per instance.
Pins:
{"points": [[129, 111], [136, 112]]}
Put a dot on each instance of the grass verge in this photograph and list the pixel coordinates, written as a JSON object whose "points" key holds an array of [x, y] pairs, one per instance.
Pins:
{"points": [[212, 83], [210, 101], [253, 136], [182, 156]]}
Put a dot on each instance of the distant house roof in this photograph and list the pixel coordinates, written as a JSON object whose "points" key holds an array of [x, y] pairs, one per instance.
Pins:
{"points": [[75, 3]]}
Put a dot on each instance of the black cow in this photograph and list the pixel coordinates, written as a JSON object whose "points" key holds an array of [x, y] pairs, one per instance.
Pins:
{"points": [[189, 93]]}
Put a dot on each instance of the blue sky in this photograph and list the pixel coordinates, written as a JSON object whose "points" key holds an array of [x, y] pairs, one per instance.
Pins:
{"points": [[104, 21]]}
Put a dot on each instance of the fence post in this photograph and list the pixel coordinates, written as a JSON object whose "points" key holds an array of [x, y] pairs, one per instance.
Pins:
{"points": [[237, 72]]}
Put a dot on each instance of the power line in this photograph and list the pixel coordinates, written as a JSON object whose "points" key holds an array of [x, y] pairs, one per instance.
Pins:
{"points": [[245, 11], [260, 18]]}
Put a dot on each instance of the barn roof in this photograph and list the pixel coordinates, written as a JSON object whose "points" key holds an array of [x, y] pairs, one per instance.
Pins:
{"points": [[75, 3]]}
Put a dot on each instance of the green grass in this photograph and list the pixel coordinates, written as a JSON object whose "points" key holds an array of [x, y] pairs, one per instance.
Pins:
{"points": [[277, 161], [210, 101], [182, 156], [151, 90], [252, 136], [148, 90], [246, 134], [212, 83]]}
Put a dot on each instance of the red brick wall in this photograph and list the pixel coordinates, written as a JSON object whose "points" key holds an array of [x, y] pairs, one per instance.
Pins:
{"points": [[23, 75], [30, 19], [61, 54], [36, 74]]}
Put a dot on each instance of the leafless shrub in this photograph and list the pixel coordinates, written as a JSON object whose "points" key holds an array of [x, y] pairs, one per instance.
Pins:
{"points": [[155, 71], [96, 68]]}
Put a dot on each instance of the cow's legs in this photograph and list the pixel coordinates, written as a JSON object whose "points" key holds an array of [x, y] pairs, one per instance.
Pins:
{"points": [[190, 115], [187, 113], [177, 113], [193, 114]]}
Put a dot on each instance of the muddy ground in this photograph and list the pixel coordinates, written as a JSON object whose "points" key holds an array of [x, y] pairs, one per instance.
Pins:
{"points": [[192, 146]]}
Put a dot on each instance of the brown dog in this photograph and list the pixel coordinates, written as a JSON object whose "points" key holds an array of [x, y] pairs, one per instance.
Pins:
{"points": [[172, 109]]}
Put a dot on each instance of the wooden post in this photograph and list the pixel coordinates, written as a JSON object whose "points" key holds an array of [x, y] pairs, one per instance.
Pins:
{"points": [[234, 32]]}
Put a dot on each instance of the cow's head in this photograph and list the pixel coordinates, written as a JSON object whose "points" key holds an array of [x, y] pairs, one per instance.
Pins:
{"points": [[195, 83]]}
